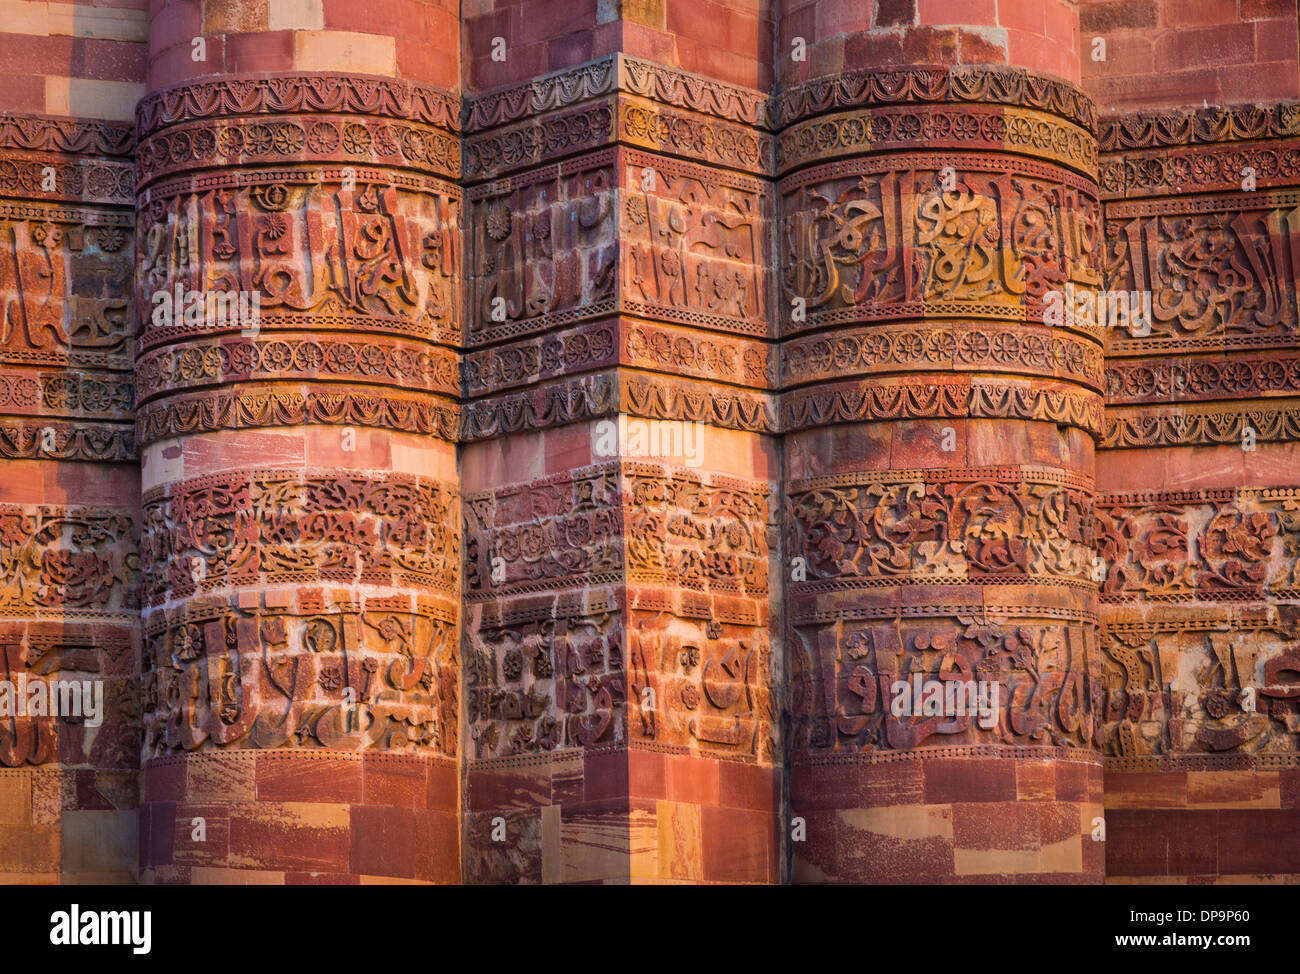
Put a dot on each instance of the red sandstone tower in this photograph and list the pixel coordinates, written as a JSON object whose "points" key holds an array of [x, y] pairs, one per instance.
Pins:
{"points": [[596, 424]]}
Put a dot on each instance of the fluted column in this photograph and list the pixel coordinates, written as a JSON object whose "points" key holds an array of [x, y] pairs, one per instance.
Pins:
{"points": [[301, 541], [939, 444]]}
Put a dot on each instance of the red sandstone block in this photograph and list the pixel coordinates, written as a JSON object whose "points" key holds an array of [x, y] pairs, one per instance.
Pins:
{"points": [[1106, 18], [443, 786], [996, 825], [25, 93], [270, 50], [1274, 41], [895, 13], [1146, 789], [1196, 47], [1072, 781], [221, 778], [437, 846], [388, 17], [647, 773], [300, 836], [978, 49], [1032, 51], [657, 45], [739, 846], [1258, 841], [930, 45], [841, 17], [162, 833], [202, 835], [966, 12], [178, 22], [692, 779], [1035, 780], [382, 841], [310, 780], [145, 837], [1180, 14], [604, 774], [1058, 821], [501, 788], [29, 849], [1026, 15], [1136, 844], [969, 780], [751, 786], [1257, 82], [570, 49], [918, 444], [393, 780], [1265, 9], [1289, 785]]}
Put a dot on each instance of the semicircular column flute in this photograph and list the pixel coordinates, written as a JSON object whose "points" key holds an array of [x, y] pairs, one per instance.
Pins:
{"points": [[937, 228], [298, 275]]}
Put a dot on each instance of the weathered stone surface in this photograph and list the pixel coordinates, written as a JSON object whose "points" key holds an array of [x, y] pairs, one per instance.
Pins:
{"points": [[593, 414]]}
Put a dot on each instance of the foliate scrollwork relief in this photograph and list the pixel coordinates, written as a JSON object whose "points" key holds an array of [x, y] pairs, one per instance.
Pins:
{"points": [[1221, 271], [973, 526], [291, 526], [545, 249], [859, 244], [544, 682], [1217, 545], [692, 240], [371, 674], [1203, 378], [376, 255], [1034, 684], [705, 533], [562, 531], [1202, 686], [67, 561], [702, 685]]}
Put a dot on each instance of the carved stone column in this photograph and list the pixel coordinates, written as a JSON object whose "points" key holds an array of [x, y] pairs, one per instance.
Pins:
{"points": [[619, 658], [68, 502], [301, 538], [939, 475], [1199, 496]]}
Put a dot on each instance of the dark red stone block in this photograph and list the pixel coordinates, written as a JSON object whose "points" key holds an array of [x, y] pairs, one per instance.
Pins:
{"points": [[281, 778]]}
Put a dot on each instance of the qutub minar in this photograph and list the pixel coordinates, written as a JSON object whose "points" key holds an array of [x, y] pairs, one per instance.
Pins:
{"points": [[368, 605]]}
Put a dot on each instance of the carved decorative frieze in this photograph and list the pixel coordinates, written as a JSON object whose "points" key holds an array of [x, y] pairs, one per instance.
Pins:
{"points": [[294, 526], [321, 671], [1205, 545], [73, 561], [316, 92], [1035, 684], [955, 526], [991, 248]]}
